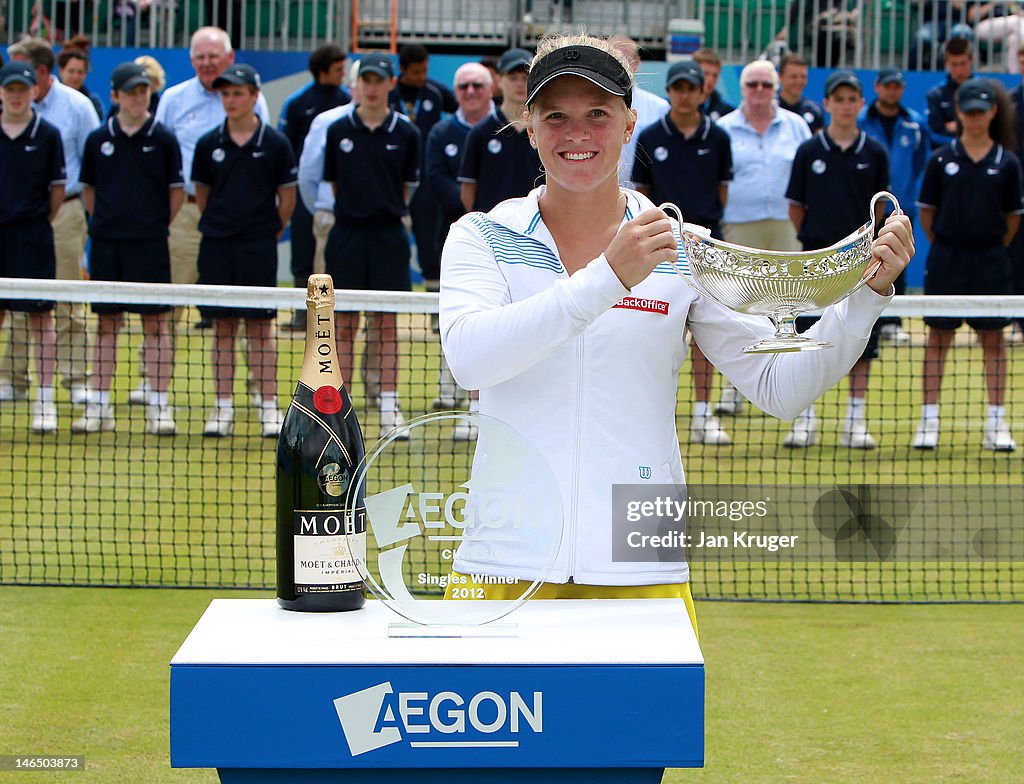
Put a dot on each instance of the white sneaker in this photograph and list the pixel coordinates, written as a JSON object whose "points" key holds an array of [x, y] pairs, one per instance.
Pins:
{"points": [[140, 395], [927, 435], [1014, 336], [708, 430], [8, 394], [97, 418], [445, 403], [464, 431], [80, 395], [731, 401], [270, 420], [855, 435], [998, 438], [256, 400], [160, 421], [894, 334], [803, 434], [390, 420], [44, 417], [220, 423]]}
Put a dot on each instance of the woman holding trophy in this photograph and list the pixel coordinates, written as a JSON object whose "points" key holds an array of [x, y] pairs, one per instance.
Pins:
{"points": [[563, 309]]}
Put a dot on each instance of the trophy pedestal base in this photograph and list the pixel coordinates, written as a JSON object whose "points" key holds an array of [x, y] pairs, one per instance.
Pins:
{"points": [[398, 629], [785, 344]]}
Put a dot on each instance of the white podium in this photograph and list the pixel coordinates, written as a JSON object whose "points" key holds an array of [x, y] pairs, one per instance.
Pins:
{"points": [[594, 691]]}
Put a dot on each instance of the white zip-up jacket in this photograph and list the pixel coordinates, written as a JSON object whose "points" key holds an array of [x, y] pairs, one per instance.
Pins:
{"points": [[587, 370]]}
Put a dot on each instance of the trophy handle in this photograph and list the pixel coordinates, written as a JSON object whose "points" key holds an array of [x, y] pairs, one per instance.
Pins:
{"points": [[897, 210]]}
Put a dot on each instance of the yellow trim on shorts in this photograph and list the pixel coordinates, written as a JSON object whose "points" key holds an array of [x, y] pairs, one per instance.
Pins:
{"points": [[509, 591]]}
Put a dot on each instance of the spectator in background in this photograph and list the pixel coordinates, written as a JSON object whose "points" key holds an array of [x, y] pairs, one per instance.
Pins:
{"points": [[1000, 23], [685, 159], [74, 116], [31, 193], [157, 79], [649, 107], [941, 113], [763, 139], [1016, 335], [424, 101], [971, 204], [132, 186], [942, 19], [444, 155], [327, 65], [491, 64], [792, 82], [714, 105], [825, 28], [834, 176], [901, 131], [498, 161], [245, 175], [372, 160], [73, 65], [189, 110]]}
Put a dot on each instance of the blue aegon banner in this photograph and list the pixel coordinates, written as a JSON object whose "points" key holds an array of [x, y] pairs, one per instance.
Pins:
{"points": [[884, 523]]}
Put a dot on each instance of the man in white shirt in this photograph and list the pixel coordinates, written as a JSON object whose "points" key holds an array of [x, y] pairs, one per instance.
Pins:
{"points": [[649, 107], [189, 110], [74, 116]]}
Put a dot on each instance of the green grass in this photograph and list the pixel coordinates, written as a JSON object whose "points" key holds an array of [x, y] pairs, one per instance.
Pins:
{"points": [[796, 693], [126, 508]]}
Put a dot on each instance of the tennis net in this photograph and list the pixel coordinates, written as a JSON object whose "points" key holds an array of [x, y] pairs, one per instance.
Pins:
{"points": [[128, 508]]}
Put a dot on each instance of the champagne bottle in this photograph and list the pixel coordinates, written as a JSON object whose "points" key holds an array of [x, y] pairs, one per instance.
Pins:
{"points": [[318, 452]]}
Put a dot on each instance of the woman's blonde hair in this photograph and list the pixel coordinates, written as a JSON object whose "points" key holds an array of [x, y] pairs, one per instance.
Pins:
{"points": [[155, 71]]}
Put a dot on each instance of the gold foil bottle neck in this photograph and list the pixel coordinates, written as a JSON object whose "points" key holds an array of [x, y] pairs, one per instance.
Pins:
{"points": [[320, 292]]}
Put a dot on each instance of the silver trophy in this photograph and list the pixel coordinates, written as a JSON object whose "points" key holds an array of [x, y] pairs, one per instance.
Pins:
{"points": [[779, 284]]}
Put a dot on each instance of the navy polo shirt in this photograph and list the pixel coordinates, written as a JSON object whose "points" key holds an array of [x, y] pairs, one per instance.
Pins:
{"points": [[716, 107], [444, 158], [369, 167], [131, 176], [423, 105], [809, 110], [941, 103], [835, 186], [304, 106], [29, 165], [971, 200], [685, 171], [243, 181], [500, 161]]}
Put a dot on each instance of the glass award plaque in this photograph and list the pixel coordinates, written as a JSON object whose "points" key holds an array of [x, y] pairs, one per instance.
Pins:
{"points": [[463, 521]]}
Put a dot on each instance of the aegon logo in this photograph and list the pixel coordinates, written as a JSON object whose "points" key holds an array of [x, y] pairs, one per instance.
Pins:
{"points": [[378, 717]]}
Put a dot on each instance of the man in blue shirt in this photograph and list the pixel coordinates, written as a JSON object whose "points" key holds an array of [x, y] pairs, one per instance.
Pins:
{"points": [[901, 131], [73, 115], [444, 155], [327, 65]]}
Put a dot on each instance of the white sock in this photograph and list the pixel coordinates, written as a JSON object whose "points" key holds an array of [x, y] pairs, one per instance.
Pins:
{"points": [[807, 413], [930, 411], [269, 402], [102, 397], [474, 405], [388, 402], [44, 394], [701, 409], [224, 402], [995, 415], [158, 399], [855, 408]]}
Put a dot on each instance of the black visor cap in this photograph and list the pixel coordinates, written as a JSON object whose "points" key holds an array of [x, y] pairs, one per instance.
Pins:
{"points": [[587, 62]]}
